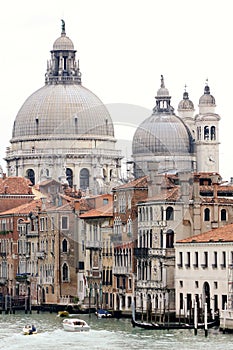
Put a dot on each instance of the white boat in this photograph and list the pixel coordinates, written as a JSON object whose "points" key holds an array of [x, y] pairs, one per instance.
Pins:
{"points": [[102, 313], [29, 330], [75, 325]]}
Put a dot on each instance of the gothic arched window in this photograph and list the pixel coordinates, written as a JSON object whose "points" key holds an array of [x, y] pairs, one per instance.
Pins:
{"points": [[64, 246], [69, 176], [223, 215], [207, 214], [84, 179], [170, 239], [169, 213], [213, 133], [65, 273], [31, 176], [206, 133]]}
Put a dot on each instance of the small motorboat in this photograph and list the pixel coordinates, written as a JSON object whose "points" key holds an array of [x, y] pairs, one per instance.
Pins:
{"points": [[75, 325], [63, 313], [29, 330], [102, 313]]}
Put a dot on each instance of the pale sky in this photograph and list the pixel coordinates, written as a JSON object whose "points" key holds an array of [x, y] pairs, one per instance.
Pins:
{"points": [[123, 47]]}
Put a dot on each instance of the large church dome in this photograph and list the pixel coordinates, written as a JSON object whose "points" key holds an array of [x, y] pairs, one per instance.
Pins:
{"points": [[62, 110], [63, 131]]}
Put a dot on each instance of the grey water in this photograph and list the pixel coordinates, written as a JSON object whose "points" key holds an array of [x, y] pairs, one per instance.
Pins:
{"points": [[111, 334]]}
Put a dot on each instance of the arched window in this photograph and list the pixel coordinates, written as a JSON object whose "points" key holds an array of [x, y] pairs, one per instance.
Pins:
{"points": [[84, 179], [31, 176], [207, 214], [199, 133], [206, 133], [69, 176], [169, 213], [223, 215], [213, 133], [170, 239], [64, 246], [65, 273]]}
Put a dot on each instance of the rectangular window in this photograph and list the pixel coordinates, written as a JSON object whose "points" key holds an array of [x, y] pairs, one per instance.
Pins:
{"points": [[195, 259], [46, 223], [223, 265], [52, 223], [180, 264], [231, 261], [215, 264], [224, 301], [64, 223], [215, 302], [188, 260], [42, 225], [205, 262], [189, 301], [181, 301]]}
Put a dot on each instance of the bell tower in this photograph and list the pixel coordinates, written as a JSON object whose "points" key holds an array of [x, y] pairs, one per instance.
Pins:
{"points": [[207, 133]]}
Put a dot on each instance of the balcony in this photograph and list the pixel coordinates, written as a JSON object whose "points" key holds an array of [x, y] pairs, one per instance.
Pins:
{"points": [[22, 277], [40, 255], [94, 245], [141, 253], [32, 234], [150, 284], [122, 290], [157, 252], [121, 270], [116, 239], [3, 281]]}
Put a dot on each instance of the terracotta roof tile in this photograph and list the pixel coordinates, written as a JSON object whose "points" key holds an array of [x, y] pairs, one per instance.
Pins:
{"points": [[140, 182], [105, 211], [222, 234], [15, 185], [24, 208]]}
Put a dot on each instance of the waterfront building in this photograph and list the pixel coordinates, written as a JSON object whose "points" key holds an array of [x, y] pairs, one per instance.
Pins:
{"points": [[178, 207], [204, 271], [97, 228], [124, 238], [18, 256]]}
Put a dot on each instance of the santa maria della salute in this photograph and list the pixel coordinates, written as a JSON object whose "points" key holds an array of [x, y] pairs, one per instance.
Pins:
{"points": [[76, 234]]}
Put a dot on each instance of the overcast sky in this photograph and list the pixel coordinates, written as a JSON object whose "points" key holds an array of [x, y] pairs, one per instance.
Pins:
{"points": [[123, 46]]}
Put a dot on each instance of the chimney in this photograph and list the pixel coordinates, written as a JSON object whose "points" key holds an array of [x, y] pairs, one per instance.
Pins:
{"points": [[155, 180], [184, 178]]}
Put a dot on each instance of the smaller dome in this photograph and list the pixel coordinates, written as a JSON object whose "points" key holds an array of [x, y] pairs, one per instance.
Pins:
{"points": [[207, 99], [63, 43], [186, 103]]}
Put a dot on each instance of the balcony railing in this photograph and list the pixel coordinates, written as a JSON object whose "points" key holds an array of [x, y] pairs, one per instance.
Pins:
{"points": [[94, 244], [149, 284], [158, 252], [121, 270], [140, 253], [40, 255]]}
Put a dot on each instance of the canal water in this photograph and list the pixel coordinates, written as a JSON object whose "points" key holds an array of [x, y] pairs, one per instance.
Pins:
{"points": [[111, 334]]}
